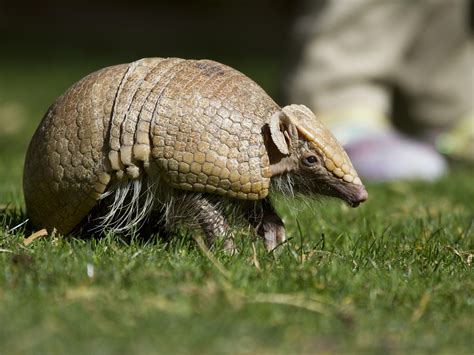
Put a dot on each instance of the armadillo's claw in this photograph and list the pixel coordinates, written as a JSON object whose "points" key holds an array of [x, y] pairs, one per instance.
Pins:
{"points": [[270, 227]]}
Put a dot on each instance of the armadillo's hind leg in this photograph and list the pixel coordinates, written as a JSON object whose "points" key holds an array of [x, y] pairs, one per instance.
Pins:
{"points": [[214, 224], [268, 225]]}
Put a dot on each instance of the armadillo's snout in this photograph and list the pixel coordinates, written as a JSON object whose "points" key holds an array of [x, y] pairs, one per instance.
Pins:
{"points": [[359, 195]]}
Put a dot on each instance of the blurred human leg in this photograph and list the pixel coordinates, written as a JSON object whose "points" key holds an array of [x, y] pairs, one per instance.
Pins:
{"points": [[436, 74], [350, 56], [350, 51]]}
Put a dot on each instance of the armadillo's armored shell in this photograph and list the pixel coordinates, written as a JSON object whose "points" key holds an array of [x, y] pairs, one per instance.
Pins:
{"points": [[207, 131], [65, 157], [195, 123]]}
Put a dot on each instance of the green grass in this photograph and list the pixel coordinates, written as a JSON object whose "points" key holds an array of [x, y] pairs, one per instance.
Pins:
{"points": [[393, 276]]}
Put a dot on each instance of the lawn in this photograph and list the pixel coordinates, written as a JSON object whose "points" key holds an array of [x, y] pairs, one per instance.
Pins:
{"points": [[393, 276]]}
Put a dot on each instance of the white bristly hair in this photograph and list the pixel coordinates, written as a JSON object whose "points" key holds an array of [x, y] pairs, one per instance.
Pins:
{"points": [[133, 202], [283, 184], [293, 186], [129, 205]]}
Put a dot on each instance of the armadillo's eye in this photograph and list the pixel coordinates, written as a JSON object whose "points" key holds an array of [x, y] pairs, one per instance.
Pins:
{"points": [[310, 160]]}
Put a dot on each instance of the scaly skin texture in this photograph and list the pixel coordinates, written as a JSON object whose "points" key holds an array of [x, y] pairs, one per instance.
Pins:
{"points": [[66, 165], [199, 121], [177, 132]]}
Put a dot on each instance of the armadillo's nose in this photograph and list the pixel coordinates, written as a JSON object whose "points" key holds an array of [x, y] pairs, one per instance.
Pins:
{"points": [[363, 194], [360, 196]]}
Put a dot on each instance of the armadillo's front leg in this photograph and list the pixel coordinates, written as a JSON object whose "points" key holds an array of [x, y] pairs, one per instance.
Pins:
{"points": [[214, 224], [269, 226]]}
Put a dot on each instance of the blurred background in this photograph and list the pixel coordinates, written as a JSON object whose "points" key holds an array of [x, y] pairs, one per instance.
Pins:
{"points": [[46, 46], [238, 32]]}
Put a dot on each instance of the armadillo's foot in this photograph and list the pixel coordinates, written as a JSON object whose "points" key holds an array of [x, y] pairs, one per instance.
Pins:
{"points": [[214, 225], [270, 227], [272, 230]]}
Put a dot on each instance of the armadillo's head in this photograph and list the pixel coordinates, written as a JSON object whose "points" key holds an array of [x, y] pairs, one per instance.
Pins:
{"points": [[310, 157]]}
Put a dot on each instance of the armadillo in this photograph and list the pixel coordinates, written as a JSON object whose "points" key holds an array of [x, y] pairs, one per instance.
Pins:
{"points": [[184, 142]]}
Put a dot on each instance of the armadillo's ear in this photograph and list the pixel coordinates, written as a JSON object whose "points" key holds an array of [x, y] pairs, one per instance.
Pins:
{"points": [[282, 132]]}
